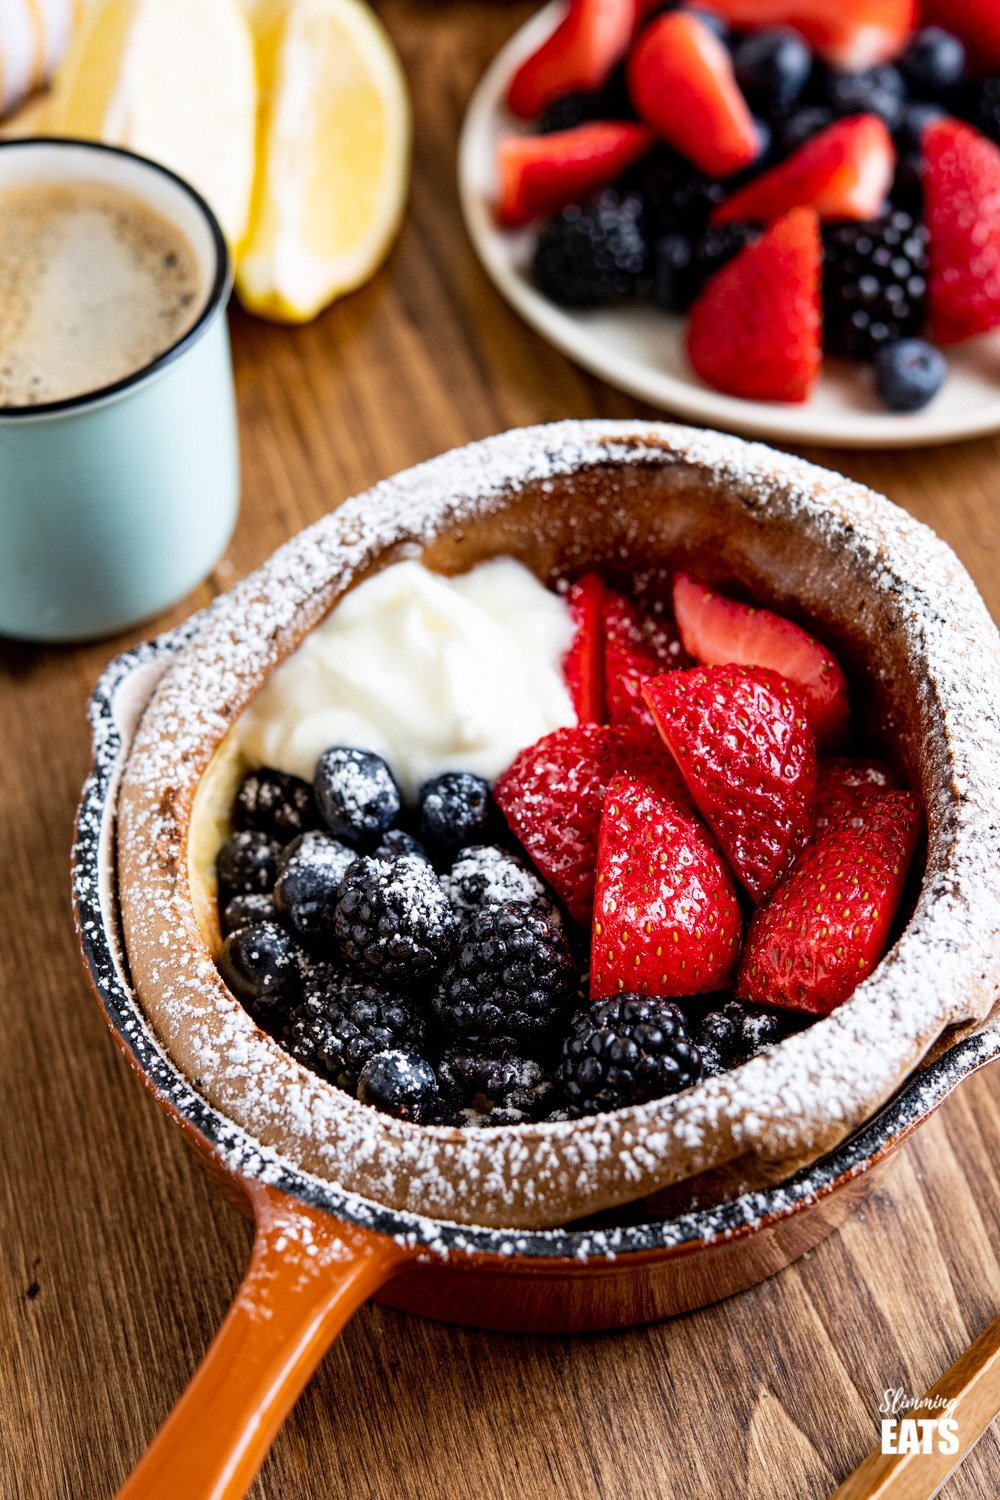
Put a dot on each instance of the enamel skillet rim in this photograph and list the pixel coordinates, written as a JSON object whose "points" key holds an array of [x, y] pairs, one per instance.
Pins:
{"points": [[751, 1213]]}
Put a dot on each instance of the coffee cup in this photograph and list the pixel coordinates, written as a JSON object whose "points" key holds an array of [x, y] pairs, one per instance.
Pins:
{"points": [[119, 464]]}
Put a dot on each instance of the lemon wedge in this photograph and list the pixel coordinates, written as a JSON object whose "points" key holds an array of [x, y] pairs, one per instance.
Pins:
{"points": [[333, 152], [174, 80]]}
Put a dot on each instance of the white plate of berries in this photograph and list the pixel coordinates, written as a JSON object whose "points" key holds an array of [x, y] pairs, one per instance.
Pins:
{"points": [[778, 217]]}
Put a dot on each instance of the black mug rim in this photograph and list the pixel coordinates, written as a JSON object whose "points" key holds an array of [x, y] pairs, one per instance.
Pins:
{"points": [[216, 297]]}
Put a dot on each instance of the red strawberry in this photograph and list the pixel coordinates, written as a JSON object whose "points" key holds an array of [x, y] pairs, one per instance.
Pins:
{"points": [[755, 329], [961, 179], [826, 928], [580, 54], [849, 34], [977, 22], [843, 172], [744, 747], [716, 630], [666, 920], [681, 80], [845, 785], [583, 667], [540, 174], [551, 795], [636, 646]]}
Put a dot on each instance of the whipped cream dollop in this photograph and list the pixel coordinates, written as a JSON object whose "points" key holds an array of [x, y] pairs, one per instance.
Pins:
{"points": [[432, 673]]}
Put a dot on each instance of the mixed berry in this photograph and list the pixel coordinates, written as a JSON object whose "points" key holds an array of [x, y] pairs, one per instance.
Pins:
{"points": [[799, 179], [653, 895]]}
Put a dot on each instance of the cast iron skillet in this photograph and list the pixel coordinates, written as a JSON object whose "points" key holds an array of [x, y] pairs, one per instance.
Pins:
{"points": [[321, 1251]]}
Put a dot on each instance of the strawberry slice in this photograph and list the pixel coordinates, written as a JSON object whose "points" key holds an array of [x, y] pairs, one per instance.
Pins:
{"points": [[843, 172], [977, 22], [551, 795], [540, 174], [716, 630], [961, 181], [666, 919], [826, 928], [755, 329], [681, 80], [588, 43], [583, 665], [636, 646], [846, 784], [743, 744], [848, 34]]}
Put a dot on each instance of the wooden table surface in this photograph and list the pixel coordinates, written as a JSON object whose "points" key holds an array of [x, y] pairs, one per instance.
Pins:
{"points": [[119, 1257]]}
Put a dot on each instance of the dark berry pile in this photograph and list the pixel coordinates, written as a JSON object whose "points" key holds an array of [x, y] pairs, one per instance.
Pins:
{"points": [[435, 976], [647, 235]]}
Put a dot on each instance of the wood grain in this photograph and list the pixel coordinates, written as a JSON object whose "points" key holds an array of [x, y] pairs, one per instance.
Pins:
{"points": [[118, 1257]]}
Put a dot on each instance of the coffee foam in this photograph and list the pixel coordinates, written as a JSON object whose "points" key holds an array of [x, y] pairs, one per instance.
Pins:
{"points": [[94, 284]]}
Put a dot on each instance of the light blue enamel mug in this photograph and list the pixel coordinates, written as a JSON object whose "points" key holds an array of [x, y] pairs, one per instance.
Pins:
{"points": [[114, 504]]}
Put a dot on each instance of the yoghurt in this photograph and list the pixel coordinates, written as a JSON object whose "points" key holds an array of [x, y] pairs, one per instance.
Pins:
{"points": [[432, 673]]}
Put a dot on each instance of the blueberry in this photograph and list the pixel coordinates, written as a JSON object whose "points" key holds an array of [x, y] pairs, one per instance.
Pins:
{"points": [[913, 122], [455, 809], [712, 20], [357, 795], [244, 911], [933, 63], [765, 138], [275, 803], [402, 1084], [262, 967], [875, 91], [673, 284], [397, 841], [909, 374], [802, 126], [247, 863], [309, 874], [772, 68]]}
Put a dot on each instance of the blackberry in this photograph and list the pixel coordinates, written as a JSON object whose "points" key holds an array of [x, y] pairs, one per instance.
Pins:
{"points": [[401, 1084], [342, 1020], [874, 283], [357, 795], [981, 106], [802, 126], [673, 286], [392, 918], [484, 875], [718, 245], [277, 804], [309, 875], [582, 106], [494, 1090], [674, 195], [593, 253], [455, 809], [626, 1051], [263, 968], [874, 91], [736, 1032], [244, 911], [510, 983], [247, 864]]}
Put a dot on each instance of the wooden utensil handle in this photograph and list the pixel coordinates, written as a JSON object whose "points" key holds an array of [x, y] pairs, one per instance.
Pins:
{"points": [[971, 1389], [307, 1275]]}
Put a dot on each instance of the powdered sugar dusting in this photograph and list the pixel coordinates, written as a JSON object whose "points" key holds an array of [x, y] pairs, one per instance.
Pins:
{"points": [[784, 1106]]}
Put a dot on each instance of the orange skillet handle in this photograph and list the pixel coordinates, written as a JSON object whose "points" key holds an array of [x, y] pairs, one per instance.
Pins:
{"points": [[307, 1275]]}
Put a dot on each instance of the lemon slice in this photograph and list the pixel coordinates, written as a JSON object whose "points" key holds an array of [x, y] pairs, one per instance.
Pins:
{"points": [[333, 152], [171, 79]]}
